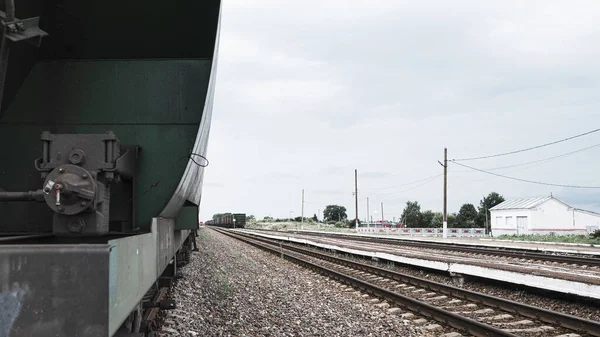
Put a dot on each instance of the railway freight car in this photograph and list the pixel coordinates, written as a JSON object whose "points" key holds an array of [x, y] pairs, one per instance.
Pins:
{"points": [[104, 121], [235, 220]]}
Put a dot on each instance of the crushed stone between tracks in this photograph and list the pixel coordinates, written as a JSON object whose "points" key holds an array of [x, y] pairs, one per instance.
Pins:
{"points": [[233, 289]]}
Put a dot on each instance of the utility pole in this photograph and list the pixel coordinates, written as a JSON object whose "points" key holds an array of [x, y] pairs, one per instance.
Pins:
{"points": [[368, 214], [486, 217], [302, 215], [356, 198], [382, 212], [445, 165]]}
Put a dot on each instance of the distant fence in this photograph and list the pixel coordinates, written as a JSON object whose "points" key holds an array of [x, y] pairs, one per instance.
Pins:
{"points": [[423, 231]]}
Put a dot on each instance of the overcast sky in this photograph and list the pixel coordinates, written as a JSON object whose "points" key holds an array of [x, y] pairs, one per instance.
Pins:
{"points": [[308, 91]]}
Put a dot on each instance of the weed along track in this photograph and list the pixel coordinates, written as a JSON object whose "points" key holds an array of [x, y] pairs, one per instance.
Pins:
{"points": [[439, 307]]}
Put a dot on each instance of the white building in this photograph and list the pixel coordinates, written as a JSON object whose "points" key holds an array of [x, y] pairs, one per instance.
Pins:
{"points": [[541, 216]]}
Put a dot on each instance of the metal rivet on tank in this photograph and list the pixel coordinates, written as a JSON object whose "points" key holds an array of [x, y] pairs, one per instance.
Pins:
{"points": [[83, 203], [84, 176], [61, 209], [61, 170]]}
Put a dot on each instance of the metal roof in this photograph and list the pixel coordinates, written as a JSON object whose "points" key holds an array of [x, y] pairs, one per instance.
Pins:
{"points": [[522, 203]]}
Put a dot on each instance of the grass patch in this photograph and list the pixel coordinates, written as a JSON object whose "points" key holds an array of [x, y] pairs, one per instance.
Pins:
{"points": [[585, 239]]}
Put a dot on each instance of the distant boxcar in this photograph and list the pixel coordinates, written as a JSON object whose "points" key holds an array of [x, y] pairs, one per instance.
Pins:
{"points": [[235, 220]]}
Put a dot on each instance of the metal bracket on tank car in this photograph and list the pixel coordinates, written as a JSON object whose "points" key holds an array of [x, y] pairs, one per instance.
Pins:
{"points": [[27, 30]]}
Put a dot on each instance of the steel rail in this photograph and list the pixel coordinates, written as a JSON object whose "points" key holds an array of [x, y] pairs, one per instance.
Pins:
{"points": [[566, 321], [501, 251], [444, 316]]}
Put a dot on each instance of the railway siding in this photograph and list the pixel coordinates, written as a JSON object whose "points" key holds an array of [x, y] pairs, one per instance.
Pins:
{"points": [[570, 282], [475, 312], [237, 290]]}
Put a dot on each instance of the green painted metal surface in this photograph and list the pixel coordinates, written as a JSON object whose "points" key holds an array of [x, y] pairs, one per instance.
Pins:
{"points": [[155, 104], [132, 270], [187, 218]]}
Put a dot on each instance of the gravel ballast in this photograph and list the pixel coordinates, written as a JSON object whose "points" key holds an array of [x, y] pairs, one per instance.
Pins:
{"points": [[233, 289], [571, 307]]}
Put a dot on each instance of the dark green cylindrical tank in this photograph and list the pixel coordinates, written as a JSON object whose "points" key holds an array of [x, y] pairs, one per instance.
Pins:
{"points": [[141, 69]]}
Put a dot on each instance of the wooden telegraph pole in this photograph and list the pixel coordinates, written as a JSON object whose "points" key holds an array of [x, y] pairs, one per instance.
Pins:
{"points": [[445, 165]]}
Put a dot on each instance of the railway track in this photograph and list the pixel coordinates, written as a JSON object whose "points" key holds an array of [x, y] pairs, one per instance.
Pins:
{"points": [[467, 311], [516, 253]]}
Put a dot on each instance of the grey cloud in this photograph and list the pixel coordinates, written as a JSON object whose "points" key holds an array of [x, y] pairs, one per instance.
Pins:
{"points": [[309, 91]]}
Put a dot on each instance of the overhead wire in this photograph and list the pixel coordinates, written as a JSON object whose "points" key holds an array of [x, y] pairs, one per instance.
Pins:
{"points": [[527, 149], [545, 159], [408, 189], [406, 184], [530, 164], [525, 180]]}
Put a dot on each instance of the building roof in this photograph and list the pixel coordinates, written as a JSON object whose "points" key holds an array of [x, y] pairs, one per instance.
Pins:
{"points": [[586, 211], [528, 203]]}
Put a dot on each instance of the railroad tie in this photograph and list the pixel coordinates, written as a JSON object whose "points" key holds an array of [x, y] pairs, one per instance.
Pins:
{"points": [[497, 317], [518, 323], [484, 311], [432, 327], [543, 328], [394, 310], [451, 334]]}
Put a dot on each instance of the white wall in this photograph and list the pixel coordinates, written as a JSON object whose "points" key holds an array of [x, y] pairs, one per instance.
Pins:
{"points": [[503, 228], [587, 220], [553, 216]]}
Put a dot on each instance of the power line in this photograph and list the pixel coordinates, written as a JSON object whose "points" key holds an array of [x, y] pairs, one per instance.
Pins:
{"points": [[526, 181], [405, 184], [529, 164], [396, 192], [527, 149], [545, 159], [409, 189]]}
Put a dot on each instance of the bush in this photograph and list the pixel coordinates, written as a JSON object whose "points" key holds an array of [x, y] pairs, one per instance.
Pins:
{"points": [[595, 234]]}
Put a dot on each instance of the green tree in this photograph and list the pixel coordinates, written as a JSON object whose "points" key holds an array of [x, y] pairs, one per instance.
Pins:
{"points": [[485, 204], [467, 215], [251, 218], [438, 220], [268, 218], [352, 224], [315, 218], [426, 219], [452, 223], [412, 214], [334, 213]]}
